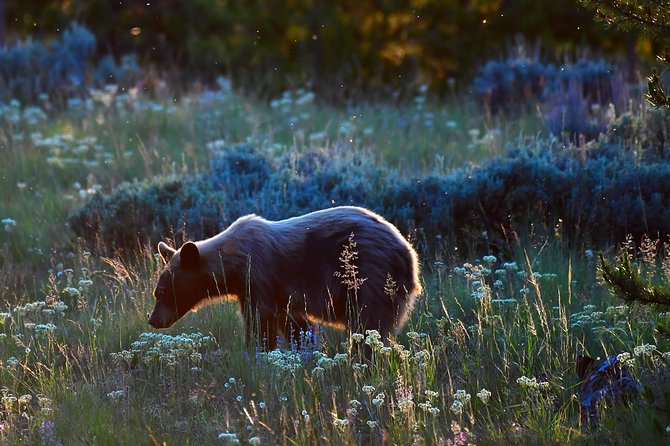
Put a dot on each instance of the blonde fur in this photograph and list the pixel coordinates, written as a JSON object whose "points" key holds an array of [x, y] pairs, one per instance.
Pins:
{"points": [[287, 274]]}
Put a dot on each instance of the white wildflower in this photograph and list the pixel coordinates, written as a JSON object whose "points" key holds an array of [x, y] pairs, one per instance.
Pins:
{"points": [[368, 389], [116, 395], [462, 396], [484, 395], [457, 407], [340, 422], [644, 349], [229, 437]]}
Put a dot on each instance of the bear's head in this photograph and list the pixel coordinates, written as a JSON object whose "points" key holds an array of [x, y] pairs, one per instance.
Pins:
{"points": [[183, 284]]}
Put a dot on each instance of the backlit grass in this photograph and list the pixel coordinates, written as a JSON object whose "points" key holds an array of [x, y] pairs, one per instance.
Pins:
{"points": [[488, 357]]}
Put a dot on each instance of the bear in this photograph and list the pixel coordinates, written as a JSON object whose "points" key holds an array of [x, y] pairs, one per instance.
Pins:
{"points": [[344, 266]]}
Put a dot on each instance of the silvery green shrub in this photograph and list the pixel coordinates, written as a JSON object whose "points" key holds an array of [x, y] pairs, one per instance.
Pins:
{"points": [[599, 195]]}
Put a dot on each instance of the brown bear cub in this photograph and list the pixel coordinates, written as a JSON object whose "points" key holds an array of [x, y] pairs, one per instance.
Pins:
{"points": [[345, 266]]}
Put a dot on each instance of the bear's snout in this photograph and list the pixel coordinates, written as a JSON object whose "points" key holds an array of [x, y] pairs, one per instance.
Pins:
{"points": [[153, 320], [162, 317]]}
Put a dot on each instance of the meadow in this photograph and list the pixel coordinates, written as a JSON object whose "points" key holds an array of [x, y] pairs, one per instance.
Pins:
{"points": [[489, 355]]}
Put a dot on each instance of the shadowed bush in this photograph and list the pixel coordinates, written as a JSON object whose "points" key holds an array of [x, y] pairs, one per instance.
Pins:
{"points": [[597, 195], [649, 131], [571, 96], [61, 68]]}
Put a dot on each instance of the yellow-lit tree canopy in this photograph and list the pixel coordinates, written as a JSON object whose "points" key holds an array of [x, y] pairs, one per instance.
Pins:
{"points": [[364, 45]]}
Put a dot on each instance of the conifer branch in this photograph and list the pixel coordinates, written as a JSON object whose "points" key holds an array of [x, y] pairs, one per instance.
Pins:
{"points": [[627, 283]]}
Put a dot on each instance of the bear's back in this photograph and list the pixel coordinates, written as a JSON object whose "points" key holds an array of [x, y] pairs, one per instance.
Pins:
{"points": [[309, 256]]}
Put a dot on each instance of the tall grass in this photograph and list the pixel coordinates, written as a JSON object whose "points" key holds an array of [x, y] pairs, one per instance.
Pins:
{"points": [[488, 357]]}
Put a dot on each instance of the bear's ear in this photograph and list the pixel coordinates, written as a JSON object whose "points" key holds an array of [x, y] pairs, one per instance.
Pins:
{"points": [[165, 251], [190, 256]]}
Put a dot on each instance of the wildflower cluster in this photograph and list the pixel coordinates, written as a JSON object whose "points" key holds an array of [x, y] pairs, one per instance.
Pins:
{"points": [[484, 395], [373, 339], [229, 438], [116, 395], [611, 320], [295, 108], [491, 137], [460, 435], [36, 317], [17, 409], [532, 384], [428, 404], [644, 349], [165, 349], [64, 149], [340, 422], [282, 360], [461, 401], [37, 309], [13, 113], [112, 100], [626, 359], [503, 284], [476, 277], [457, 407]]}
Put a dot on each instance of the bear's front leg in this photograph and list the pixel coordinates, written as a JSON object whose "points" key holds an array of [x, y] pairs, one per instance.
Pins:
{"points": [[260, 329]]}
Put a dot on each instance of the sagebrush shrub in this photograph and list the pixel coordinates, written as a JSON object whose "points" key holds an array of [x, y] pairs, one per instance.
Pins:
{"points": [[570, 96], [597, 195], [61, 68], [648, 131]]}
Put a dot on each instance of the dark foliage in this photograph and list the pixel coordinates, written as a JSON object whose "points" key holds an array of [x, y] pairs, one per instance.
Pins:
{"points": [[650, 18], [597, 195]]}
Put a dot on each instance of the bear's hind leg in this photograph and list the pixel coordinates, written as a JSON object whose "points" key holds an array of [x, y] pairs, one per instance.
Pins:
{"points": [[379, 319]]}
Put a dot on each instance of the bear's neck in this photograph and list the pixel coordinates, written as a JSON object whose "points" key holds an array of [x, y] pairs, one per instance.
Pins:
{"points": [[229, 271]]}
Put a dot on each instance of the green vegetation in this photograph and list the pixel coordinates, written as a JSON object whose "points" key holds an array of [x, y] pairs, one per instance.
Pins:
{"points": [[506, 192], [632, 286], [488, 357]]}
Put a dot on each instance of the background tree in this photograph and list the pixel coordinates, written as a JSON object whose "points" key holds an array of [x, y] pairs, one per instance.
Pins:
{"points": [[651, 18], [345, 49]]}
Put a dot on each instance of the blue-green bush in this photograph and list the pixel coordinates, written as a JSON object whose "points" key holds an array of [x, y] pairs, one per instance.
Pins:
{"points": [[598, 195], [567, 94], [649, 132], [509, 85], [61, 68]]}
